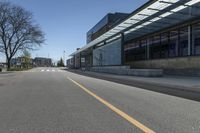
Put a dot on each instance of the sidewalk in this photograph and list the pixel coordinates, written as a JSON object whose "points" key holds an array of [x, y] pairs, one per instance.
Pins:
{"points": [[186, 87]]}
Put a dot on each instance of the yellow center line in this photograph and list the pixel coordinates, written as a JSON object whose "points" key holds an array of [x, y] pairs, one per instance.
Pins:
{"points": [[115, 109]]}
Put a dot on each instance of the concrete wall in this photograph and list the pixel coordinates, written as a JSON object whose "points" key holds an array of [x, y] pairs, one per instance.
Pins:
{"points": [[192, 62], [125, 70], [109, 54]]}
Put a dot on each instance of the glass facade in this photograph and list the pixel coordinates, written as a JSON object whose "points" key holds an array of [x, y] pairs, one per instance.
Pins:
{"points": [[173, 43], [136, 50], [155, 47], [183, 42], [196, 39], [144, 48], [164, 45]]}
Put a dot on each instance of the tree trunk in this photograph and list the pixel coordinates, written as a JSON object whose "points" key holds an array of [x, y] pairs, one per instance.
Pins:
{"points": [[8, 64]]}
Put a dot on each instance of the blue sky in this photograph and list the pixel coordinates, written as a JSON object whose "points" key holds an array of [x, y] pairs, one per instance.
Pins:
{"points": [[65, 22]]}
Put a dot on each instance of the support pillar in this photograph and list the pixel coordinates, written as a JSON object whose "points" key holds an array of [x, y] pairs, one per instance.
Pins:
{"points": [[189, 40], [190, 45]]}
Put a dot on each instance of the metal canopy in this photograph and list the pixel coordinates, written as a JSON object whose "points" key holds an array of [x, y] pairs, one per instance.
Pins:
{"points": [[151, 15]]}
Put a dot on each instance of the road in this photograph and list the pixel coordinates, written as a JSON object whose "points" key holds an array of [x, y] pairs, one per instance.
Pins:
{"points": [[50, 100]]}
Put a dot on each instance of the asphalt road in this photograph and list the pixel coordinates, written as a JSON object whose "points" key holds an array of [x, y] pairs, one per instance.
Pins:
{"points": [[50, 100]]}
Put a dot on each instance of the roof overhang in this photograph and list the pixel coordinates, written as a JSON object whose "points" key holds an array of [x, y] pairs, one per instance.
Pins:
{"points": [[152, 16]]}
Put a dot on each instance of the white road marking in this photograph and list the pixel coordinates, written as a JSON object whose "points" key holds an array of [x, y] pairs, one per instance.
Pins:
{"points": [[50, 70]]}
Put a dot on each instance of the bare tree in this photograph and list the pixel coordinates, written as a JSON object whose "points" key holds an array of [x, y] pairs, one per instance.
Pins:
{"points": [[17, 31]]}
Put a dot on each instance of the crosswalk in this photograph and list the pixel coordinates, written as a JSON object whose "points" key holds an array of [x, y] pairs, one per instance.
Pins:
{"points": [[44, 70], [50, 70]]}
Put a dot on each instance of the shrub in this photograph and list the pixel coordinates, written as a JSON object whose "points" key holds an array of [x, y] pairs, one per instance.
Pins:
{"points": [[18, 69]]}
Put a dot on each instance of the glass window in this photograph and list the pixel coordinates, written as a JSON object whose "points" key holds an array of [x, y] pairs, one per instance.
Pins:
{"points": [[126, 47], [131, 51], [173, 44], [142, 50], [143, 42], [164, 45], [183, 43], [196, 39], [155, 47], [149, 43], [128, 56], [136, 51]]}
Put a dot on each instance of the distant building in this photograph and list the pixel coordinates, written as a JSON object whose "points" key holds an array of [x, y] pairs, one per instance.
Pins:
{"points": [[21, 62], [16, 62], [3, 64], [42, 62]]}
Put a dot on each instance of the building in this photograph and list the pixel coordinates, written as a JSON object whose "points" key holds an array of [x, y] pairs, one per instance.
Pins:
{"points": [[3, 64], [104, 25], [70, 63], [21, 62], [42, 62], [160, 34]]}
